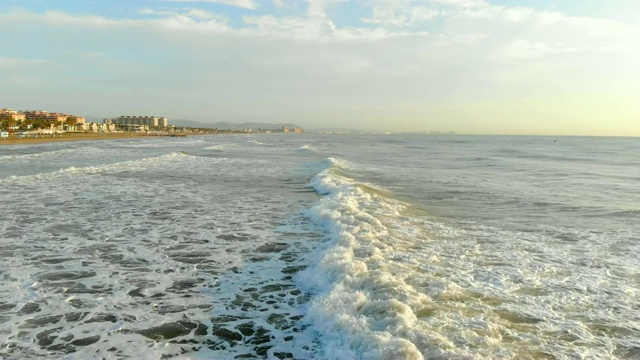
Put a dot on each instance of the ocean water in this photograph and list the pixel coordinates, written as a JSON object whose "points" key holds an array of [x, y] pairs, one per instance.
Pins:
{"points": [[321, 247]]}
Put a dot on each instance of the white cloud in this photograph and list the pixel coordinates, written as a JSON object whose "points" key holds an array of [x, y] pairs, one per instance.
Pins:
{"points": [[306, 68], [401, 16], [459, 3], [13, 62], [316, 8], [298, 27], [523, 49], [188, 17], [247, 4]]}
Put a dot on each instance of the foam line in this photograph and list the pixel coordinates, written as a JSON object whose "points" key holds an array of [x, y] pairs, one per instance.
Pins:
{"points": [[361, 311], [89, 170]]}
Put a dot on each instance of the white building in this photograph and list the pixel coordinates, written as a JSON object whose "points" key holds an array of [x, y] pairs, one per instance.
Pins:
{"points": [[106, 127], [150, 121]]}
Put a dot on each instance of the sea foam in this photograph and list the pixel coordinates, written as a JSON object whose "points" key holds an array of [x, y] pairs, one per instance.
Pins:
{"points": [[361, 310]]}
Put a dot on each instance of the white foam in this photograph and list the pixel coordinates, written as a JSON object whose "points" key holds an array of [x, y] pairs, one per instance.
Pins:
{"points": [[362, 310], [384, 289], [46, 154], [161, 141], [307, 149], [107, 168], [221, 147], [153, 241]]}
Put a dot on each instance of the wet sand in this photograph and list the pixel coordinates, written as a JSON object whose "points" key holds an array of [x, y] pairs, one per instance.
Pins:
{"points": [[13, 139]]}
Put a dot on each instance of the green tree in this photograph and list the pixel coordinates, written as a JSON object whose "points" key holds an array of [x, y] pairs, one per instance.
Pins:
{"points": [[4, 122], [9, 122], [39, 123], [28, 122]]}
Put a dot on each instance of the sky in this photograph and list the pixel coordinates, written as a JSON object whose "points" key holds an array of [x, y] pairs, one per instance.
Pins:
{"points": [[551, 67]]}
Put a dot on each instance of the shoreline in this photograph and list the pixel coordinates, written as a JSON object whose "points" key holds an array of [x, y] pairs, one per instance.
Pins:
{"points": [[78, 136]]}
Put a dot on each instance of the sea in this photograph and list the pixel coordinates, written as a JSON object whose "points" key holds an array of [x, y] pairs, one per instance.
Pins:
{"points": [[321, 246]]}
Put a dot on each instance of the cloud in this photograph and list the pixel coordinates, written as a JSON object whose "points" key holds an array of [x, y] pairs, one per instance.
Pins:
{"points": [[188, 18], [12, 62], [476, 61], [401, 16], [459, 3], [247, 4], [298, 27], [523, 49]]}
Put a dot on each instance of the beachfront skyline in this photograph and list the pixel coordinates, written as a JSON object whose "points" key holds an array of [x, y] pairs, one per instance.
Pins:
{"points": [[471, 66]]}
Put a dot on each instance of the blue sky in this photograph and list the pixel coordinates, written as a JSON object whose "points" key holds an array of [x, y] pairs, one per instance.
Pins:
{"points": [[347, 13], [473, 66]]}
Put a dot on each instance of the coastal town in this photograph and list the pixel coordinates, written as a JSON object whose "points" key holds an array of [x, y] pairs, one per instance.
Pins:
{"points": [[34, 124]]}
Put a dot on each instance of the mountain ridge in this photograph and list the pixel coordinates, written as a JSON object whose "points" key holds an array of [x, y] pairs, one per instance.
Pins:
{"points": [[225, 125]]}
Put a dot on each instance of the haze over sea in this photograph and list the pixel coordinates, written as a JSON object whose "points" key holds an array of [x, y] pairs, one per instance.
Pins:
{"points": [[321, 247]]}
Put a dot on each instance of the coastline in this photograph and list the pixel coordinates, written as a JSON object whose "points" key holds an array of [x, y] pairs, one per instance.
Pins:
{"points": [[13, 139]]}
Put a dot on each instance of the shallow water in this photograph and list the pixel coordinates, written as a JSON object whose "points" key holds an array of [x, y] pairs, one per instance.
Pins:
{"points": [[309, 246]]}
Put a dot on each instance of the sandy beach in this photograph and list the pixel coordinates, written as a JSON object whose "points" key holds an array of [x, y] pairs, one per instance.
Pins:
{"points": [[13, 139]]}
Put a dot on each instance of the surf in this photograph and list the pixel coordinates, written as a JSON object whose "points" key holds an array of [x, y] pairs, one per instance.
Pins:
{"points": [[362, 308]]}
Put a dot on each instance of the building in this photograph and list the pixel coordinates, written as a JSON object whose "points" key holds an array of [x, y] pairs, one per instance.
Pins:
{"points": [[15, 115], [59, 118], [45, 115], [97, 127], [294, 130], [150, 121], [60, 121]]}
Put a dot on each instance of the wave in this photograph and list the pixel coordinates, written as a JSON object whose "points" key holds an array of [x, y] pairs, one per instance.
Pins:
{"points": [[362, 309], [221, 147], [108, 168], [158, 142], [45, 154], [388, 283], [307, 149]]}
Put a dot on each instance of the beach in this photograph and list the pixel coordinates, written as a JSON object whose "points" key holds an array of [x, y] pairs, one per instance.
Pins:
{"points": [[70, 136]]}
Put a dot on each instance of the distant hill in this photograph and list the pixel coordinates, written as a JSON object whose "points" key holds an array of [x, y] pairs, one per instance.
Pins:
{"points": [[333, 130], [250, 125], [229, 125], [189, 123]]}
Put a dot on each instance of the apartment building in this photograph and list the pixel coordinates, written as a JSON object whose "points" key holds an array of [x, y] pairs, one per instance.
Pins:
{"points": [[53, 116], [151, 121], [15, 115]]}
